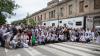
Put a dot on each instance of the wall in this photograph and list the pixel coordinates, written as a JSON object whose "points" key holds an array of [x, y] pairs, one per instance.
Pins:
{"points": [[88, 10], [70, 22]]}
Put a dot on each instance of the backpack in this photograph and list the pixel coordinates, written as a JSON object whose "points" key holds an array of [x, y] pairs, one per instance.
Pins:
{"points": [[19, 45]]}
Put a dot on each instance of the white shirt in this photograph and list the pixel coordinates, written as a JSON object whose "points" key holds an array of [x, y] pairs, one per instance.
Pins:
{"points": [[98, 40], [88, 34]]}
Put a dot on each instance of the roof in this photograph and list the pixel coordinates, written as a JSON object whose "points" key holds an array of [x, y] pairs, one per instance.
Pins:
{"points": [[47, 8]]}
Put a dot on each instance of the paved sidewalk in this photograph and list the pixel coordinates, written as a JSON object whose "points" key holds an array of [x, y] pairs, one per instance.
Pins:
{"points": [[2, 51]]}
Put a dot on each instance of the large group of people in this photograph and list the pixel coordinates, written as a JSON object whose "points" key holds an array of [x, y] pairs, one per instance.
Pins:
{"points": [[12, 36]]}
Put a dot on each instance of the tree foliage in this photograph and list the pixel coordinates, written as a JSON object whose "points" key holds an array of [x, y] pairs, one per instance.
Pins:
{"points": [[18, 22], [25, 22], [2, 20], [32, 22], [6, 8]]}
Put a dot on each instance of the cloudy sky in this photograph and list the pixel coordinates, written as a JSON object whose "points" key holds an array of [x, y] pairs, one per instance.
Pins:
{"points": [[27, 6]]}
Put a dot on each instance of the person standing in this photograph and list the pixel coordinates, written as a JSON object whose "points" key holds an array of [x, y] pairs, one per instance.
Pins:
{"points": [[1, 37], [29, 33], [77, 35], [65, 32], [87, 35], [98, 38], [24, 39], [14, 31]]}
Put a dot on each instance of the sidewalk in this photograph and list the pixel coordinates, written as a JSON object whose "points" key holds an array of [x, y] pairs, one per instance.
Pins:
{"points": [[2, 52]]}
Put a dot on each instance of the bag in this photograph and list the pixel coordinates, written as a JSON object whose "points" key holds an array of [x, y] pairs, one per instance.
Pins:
{"points": [[25, 45], [87, 40], [19, 45]]}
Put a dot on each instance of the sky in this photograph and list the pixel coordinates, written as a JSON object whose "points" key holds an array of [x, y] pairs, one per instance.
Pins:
{"points": [[27, 7]]}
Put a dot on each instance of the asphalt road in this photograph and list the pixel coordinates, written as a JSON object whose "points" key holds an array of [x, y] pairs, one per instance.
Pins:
{"points": [[57, 49]]}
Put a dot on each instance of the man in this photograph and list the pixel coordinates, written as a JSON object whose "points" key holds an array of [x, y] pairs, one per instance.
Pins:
{"points": [[14, 31], [1, 37], [66, 34], [77, 35], [88, 35]]}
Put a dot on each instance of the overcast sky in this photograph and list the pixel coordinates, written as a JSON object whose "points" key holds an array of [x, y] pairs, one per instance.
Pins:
{"points": [[27, 6]]}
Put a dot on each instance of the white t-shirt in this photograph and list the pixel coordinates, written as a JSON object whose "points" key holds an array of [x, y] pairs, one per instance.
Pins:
{"points": [[98, 40], [88, 34]]}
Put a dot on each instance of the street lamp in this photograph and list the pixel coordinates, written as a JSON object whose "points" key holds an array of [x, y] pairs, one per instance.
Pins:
{"points": [[58, 13]]}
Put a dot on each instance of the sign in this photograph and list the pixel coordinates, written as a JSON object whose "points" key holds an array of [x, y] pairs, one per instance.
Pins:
{"points": [[70, 23]]}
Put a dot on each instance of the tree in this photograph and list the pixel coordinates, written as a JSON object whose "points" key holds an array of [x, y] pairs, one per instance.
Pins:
{"points": [[24, 22], [32, 22], [2, 20], [6, 9], [16, 22]]}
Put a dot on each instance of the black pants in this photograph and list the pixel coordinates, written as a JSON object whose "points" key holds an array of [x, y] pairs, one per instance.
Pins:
{"points": [[12, 37], [2, 42], [77, 40], [87, 40]]}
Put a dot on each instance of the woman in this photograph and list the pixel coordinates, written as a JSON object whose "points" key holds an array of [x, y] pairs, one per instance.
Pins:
{"points": [[7, 40], [24, 39], [40, 38], [16, 42], [82, 38], [29, 33], [61, 37]]}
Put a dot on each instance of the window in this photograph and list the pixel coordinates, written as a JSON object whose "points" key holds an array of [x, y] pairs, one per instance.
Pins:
{"points": [[61, 10], [52, 14], [38, 18], [45, 16], [53, 24], [41, 17], [49, 14], [78, 23], [81, 6], [96, 4], [70, 9]]}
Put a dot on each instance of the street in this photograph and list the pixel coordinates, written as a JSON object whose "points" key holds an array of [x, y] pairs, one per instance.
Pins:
{"points": [[57, 49], [49, 27]]}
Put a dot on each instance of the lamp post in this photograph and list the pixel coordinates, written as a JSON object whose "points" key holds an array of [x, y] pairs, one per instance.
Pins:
{"points": [[93, 31], [58, 13], [58, 20]]}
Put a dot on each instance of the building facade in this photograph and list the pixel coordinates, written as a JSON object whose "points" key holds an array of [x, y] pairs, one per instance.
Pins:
{"points": [[56, 12]]}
